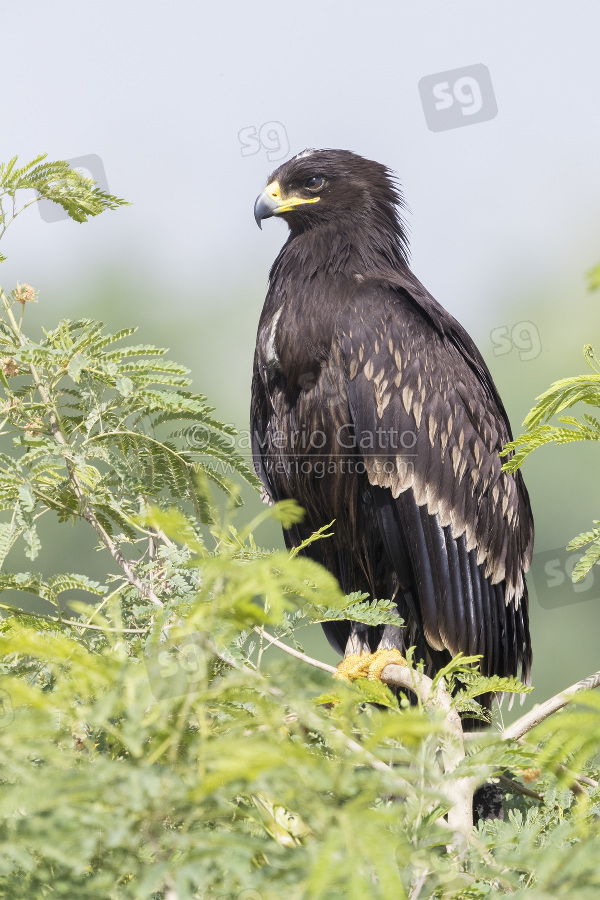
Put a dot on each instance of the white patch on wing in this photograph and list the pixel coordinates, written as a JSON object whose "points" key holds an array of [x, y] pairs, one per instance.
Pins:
{"points": [[271, 358]]}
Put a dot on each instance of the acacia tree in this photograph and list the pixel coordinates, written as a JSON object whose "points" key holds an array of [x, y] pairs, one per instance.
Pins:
{"points": [[155, 744]]}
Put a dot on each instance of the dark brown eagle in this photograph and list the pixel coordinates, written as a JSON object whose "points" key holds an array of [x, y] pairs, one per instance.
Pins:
{"points": [[371, 405]]}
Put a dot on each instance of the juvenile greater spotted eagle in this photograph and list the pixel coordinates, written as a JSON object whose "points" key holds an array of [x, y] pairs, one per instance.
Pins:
{"points": [[371, 405]]}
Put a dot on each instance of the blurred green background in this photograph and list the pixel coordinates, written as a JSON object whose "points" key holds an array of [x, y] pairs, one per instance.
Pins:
{"points": [[504, 215]]}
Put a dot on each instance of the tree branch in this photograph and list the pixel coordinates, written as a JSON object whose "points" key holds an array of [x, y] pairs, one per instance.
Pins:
{"points": [[518, 788], [295, 653], [541, 712], [575, 780], [61, 621], [459, 790]]}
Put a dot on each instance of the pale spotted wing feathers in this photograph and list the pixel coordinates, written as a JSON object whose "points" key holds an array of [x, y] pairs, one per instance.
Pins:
{"points": [[467, 524]]}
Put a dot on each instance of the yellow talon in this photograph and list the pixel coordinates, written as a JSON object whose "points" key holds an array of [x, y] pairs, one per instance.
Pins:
{"points": [[382, 658], [368, 665], [354, 666]]}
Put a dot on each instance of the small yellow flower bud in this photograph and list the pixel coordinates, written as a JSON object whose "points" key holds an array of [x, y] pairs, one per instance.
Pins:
{"points": [[529, 775], [24, 293], [9, 366]]}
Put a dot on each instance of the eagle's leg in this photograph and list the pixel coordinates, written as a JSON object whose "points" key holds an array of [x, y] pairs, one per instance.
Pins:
{"points": [[391, 638], [359, 662], [388, 652], [358, 640], [356, 653]]}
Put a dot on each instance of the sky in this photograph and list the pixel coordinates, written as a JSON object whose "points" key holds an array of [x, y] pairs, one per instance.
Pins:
{"points": [[488, 114], [160, 92]]}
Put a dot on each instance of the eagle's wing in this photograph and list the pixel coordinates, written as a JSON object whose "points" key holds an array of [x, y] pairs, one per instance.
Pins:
{"points": [[416, 383]]}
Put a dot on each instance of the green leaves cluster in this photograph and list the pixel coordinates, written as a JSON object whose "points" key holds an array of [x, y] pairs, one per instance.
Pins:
{"points": [[57, 181], [563, 395], [119, 414], [134, 765]]}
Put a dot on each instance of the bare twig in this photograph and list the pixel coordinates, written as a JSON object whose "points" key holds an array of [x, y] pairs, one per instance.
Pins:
{"points": [[574, 784], [518, 788], [295, 653], [576, 781], [541, 712], [350, 743], [357, 748], [591, 782], [48, 618], [418, 885]]}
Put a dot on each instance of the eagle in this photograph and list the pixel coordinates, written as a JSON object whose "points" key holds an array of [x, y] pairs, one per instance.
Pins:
{"points": [[373, 407]]}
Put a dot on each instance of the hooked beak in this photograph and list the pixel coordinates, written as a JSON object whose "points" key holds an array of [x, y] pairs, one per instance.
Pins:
{"points": [[271, 203]]}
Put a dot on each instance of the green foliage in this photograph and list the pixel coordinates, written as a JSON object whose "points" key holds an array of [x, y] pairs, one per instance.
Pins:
{"points": [[154, 746], [358, 608], [119, 413], [562, 395], [56, 181]]}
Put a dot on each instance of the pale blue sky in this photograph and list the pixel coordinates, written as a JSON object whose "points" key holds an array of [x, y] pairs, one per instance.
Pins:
{"points": [[160, 91]]}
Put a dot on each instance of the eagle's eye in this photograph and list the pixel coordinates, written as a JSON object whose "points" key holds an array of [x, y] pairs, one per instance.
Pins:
{"points": [[315, 183]]}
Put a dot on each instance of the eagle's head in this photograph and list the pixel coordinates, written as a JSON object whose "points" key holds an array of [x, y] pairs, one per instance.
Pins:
{"points": [[320, 187]]}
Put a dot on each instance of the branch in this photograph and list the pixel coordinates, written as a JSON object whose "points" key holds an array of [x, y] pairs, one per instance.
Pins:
{"points": [[421, 685], [541, 712], [295, 653], [61, 621], [459, 790], [351, 744], [518, 788], [575, 780]]}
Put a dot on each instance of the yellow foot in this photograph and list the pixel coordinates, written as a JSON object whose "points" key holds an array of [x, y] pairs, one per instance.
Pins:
{"points": [[369, 665], [382, 658], [354, 666]]}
